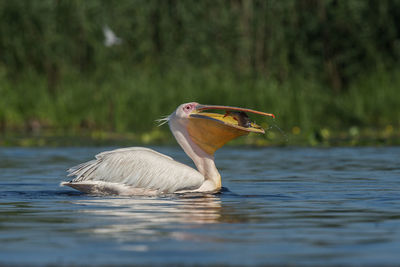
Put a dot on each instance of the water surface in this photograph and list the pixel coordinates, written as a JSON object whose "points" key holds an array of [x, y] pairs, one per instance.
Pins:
{"points": [[292, 206]]}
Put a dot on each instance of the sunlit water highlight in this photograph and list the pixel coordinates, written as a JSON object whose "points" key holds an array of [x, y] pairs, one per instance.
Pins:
{"points": [[296, 206]]}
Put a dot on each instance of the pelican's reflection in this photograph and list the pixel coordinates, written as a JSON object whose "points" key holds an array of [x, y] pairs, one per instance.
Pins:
{"points": [[146, 218]]}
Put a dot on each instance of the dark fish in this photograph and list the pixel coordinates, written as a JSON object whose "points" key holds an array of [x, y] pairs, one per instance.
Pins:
{"points": [[241, 117]]}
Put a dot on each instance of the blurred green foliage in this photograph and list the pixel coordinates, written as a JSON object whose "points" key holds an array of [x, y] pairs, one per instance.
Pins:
{"points": [[316, 64]]}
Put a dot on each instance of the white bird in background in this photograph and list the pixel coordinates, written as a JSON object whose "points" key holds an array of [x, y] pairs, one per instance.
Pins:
{"points": [[110, 38], [143, 171]]}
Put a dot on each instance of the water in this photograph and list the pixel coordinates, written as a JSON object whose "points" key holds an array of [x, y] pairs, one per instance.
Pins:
{"points": [[292, 206]]}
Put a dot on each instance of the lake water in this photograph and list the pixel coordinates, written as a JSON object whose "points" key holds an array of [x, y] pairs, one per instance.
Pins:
{"points": [[292, 206]]}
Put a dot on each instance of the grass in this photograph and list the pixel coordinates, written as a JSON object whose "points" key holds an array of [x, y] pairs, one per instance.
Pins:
{"points": [[115, 103]]}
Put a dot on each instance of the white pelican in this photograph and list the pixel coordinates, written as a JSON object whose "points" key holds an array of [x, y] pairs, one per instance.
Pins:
{"points": [[143, 171]]}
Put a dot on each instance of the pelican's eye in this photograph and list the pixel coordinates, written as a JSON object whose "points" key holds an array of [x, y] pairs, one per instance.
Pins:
{"points": [[187, 108]]}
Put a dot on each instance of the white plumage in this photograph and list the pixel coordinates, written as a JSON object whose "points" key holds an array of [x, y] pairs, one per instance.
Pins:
{"points": [[134, 169]]}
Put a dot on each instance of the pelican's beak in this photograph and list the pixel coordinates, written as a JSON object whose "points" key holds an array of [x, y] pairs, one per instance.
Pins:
{"points": [[210, 131]]}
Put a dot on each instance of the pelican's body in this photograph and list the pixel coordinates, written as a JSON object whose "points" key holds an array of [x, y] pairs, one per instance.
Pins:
{"points": [[143, 171]]}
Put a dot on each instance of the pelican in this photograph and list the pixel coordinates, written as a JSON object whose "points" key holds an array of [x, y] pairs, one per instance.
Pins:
{"points": [[143, 171]]}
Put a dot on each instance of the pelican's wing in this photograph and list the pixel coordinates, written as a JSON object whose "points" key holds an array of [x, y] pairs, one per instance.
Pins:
{"points": [[138, 167]]}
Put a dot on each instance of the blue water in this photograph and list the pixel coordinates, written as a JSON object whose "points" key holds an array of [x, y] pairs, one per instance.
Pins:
{"points": [[291, 206]]}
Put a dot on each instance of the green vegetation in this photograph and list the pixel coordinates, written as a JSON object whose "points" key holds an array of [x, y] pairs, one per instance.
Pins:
{"points": [[329, 69]]}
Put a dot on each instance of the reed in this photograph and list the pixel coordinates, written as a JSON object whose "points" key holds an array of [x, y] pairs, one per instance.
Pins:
{"points": [[131, 102], [322, 69]]}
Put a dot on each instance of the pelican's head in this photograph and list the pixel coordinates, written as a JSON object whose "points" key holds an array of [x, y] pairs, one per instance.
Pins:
{"points": [[210, 131], [184, 110]]}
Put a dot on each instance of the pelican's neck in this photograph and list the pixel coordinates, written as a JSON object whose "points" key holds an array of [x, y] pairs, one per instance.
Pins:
{"points": [[204, 162]]}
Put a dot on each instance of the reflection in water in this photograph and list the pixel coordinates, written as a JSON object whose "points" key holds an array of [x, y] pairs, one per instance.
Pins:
{"points": [[144, 218]]}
